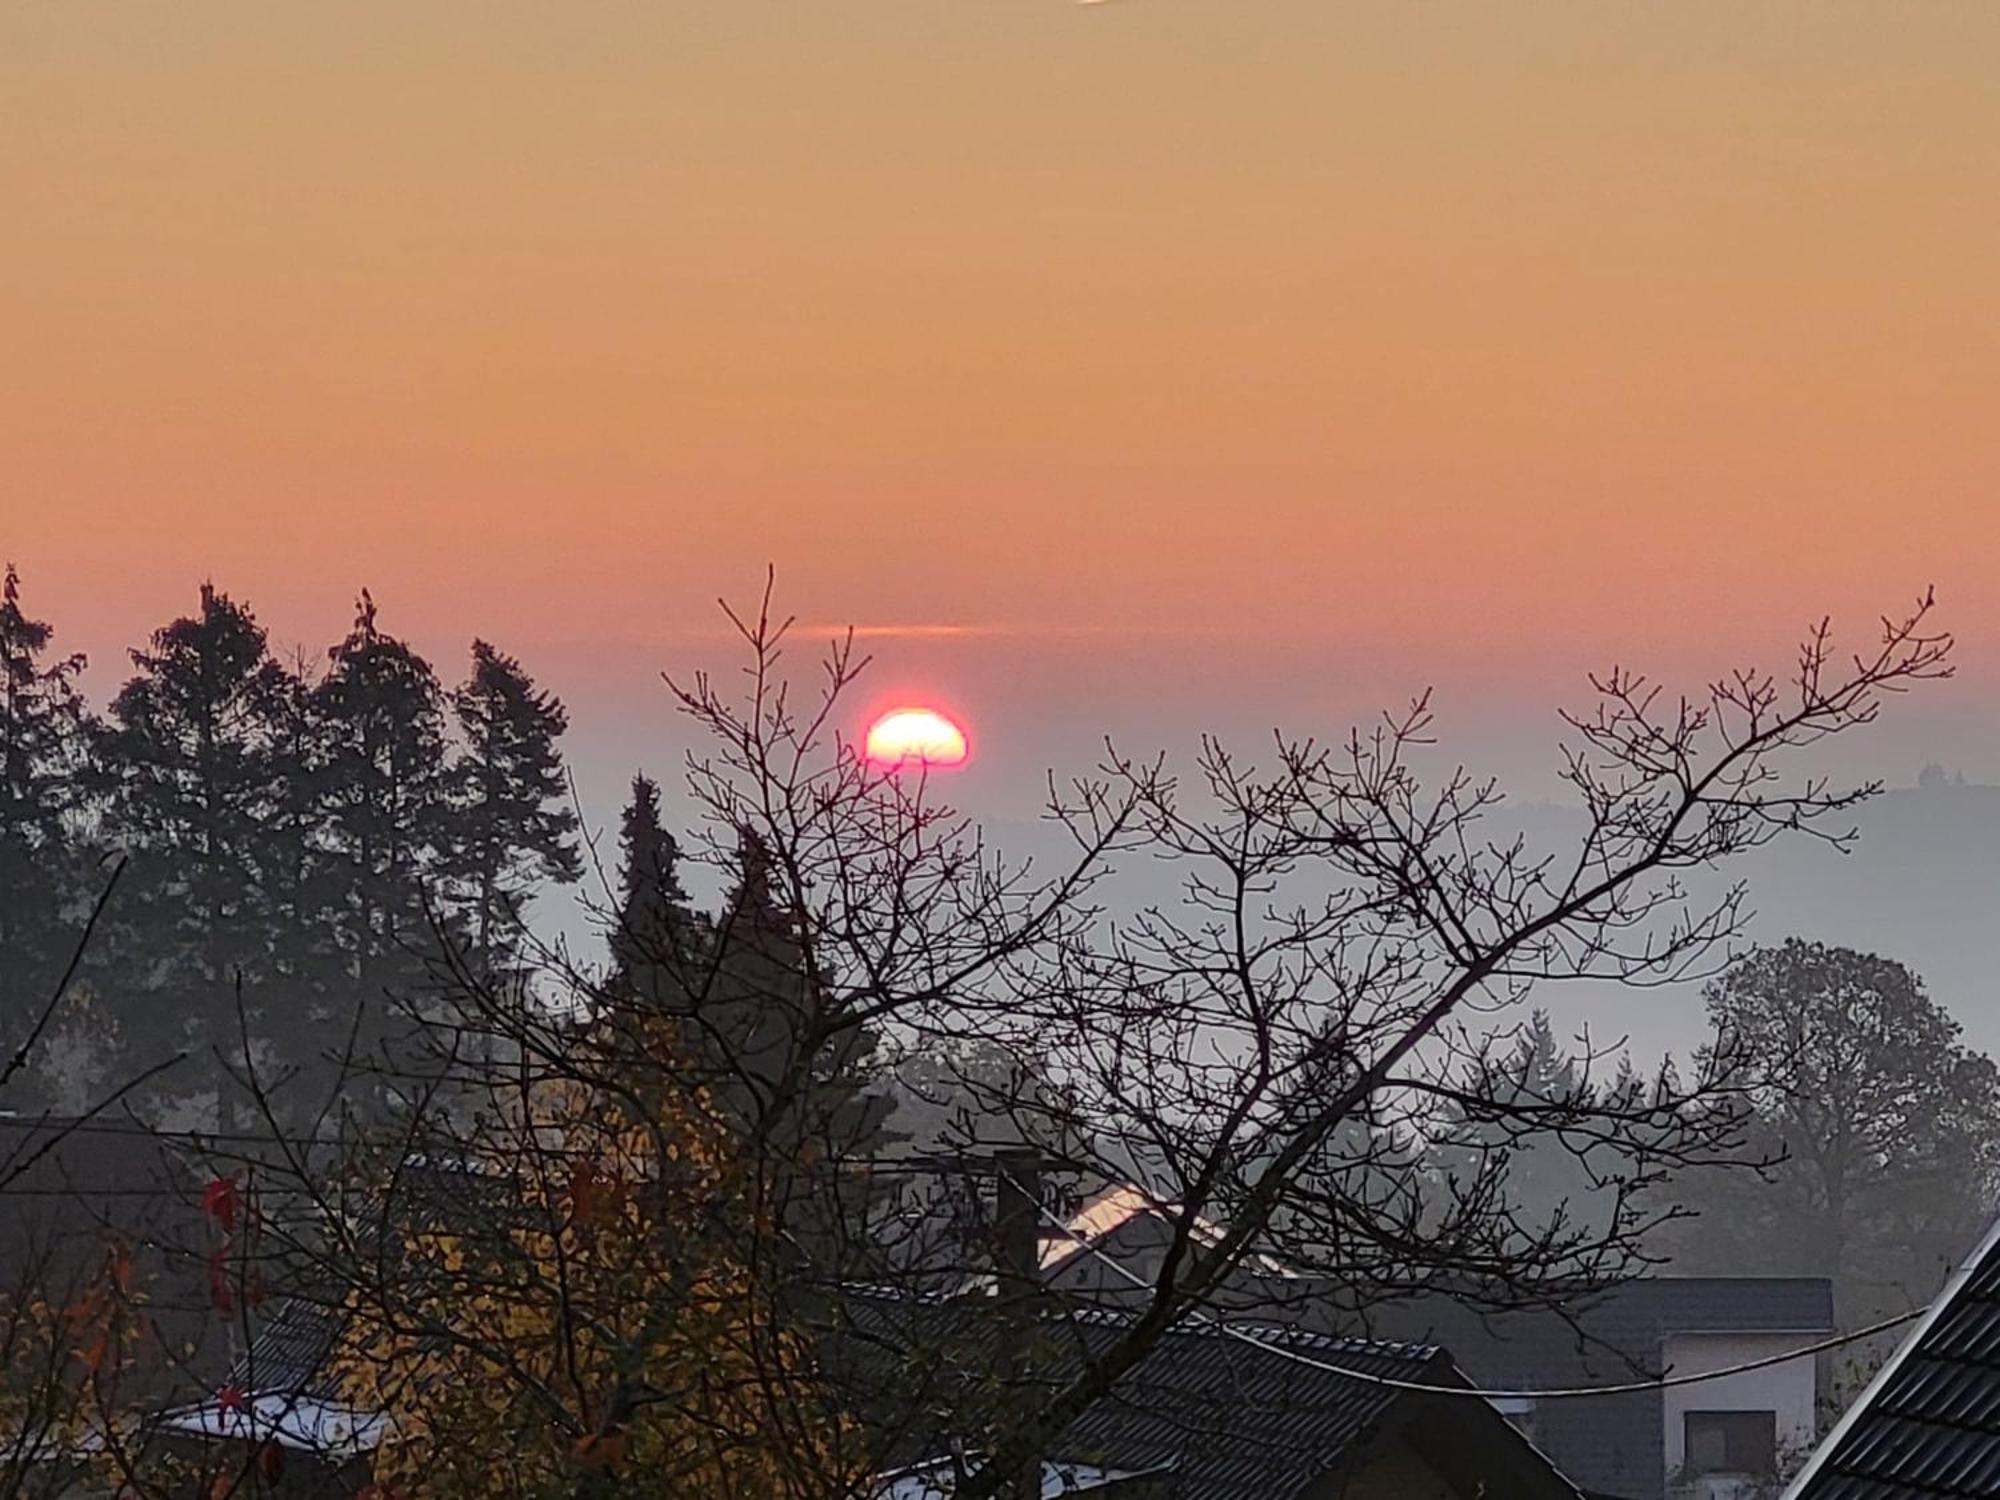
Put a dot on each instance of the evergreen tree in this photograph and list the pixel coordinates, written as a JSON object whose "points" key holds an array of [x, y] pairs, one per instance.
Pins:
{"points": [[1553, 1184], [657, 943], [302, 889], [44, 735], [781, 1057], [192, 781], [791, 1076], [382, 714], [513, 828]]}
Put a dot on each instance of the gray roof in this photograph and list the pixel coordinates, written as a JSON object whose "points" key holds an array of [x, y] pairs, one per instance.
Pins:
{"points": [[1613, 1444], [1221, 1417], [291, 1351], [1929, 1423], [1260, 1411]]}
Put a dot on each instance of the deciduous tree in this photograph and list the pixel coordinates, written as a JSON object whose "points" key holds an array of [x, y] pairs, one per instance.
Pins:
{"points": [[1880, 1128]]}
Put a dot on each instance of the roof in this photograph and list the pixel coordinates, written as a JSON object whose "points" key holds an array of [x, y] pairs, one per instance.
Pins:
{"points": [[302, 1422], [1218, 1413], [1605, 1333], [937, 1480], [1211, 1414], [1127, 1225], [290, 1352], [73, 1188], [1929, 1422], [1607, 1336], [1106, 1214]]}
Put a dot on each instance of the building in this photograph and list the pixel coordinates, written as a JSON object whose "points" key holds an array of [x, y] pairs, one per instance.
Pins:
{"points": [[1721, 1439], [1211, 1413], [1928, 1424]]}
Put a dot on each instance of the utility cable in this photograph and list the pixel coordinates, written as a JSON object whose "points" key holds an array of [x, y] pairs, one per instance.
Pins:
{"points": [[1390, 1382]]}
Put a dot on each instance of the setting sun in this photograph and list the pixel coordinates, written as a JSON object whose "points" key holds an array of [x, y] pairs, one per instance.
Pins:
{"points": [[920, 736]]}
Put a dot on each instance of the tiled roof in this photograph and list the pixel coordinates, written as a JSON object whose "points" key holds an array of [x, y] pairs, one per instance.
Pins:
{"points": [[290, 1352], [1614, 1444], [1929, 1423], [1224, 1417], [1217, 1417]]}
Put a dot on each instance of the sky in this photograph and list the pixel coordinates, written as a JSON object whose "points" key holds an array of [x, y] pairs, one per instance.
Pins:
{"points": [[1139, 368]]}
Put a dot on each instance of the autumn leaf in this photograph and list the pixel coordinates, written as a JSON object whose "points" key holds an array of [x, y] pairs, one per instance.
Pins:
{"points": [[599, 1450], [271, 1462], [220, 1200], [584, 1199], [120, 1268], [219, 1293]]}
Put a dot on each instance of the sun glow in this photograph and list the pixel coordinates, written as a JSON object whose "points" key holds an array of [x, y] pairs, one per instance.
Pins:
{"points": [[916, 737]]}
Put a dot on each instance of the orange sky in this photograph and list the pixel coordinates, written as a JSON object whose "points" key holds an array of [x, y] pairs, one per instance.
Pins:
{"points": [[1279, 350]]}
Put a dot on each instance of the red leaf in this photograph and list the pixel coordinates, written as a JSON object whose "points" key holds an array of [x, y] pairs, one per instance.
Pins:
{"points": [[231, 1398], [219, 1200], [218, 1281], [120, 1268], [585, 1195], [271, 1462], [599, 1450]]}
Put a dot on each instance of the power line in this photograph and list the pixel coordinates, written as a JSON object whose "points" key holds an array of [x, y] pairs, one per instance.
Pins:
{"points": [[1365, 1377]]}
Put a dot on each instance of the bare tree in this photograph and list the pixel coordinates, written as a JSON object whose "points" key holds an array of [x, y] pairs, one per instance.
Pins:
{"points": [[675, 1193]]}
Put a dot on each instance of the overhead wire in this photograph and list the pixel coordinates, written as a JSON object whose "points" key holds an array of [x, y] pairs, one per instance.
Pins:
{"points": [[1428, 1388]]}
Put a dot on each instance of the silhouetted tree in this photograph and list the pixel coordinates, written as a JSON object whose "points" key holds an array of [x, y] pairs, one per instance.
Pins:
{"points": [[385, 799], [1339, 922], [1882, 1129], [303, 889], [1504, 1135], [193, 781], [780, 1056], [512, 827], [657, 943], [44, 740]]}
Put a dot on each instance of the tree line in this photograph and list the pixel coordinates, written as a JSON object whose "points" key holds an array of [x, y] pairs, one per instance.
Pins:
{"points": [[294, 836], [1867, 1132]]}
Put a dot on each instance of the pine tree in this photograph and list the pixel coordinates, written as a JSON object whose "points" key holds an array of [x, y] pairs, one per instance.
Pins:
{"points": [[386, 816], [1554, 1183], [44, 735], [512, 829], [789, 1074], [782, 1058], [192, 783], [302, 890], [657, 944]]}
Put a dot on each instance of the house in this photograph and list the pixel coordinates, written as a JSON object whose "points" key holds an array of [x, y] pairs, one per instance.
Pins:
{"points": [[1211, 1413], [101, 1216], [1928, 1424], [1107, 1253], [1705, 1440], [100, 1224], [277, 1404]]}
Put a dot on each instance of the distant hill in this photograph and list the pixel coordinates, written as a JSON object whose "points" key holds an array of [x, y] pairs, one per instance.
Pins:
{"points": [[1922, 886]]}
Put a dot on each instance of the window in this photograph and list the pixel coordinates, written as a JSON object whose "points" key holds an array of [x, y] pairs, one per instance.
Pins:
{"points": [[1732, 1442]]}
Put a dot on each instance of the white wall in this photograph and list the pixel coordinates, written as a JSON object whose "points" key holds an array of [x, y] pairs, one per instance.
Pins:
{"points": [[1788, 1388]]}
